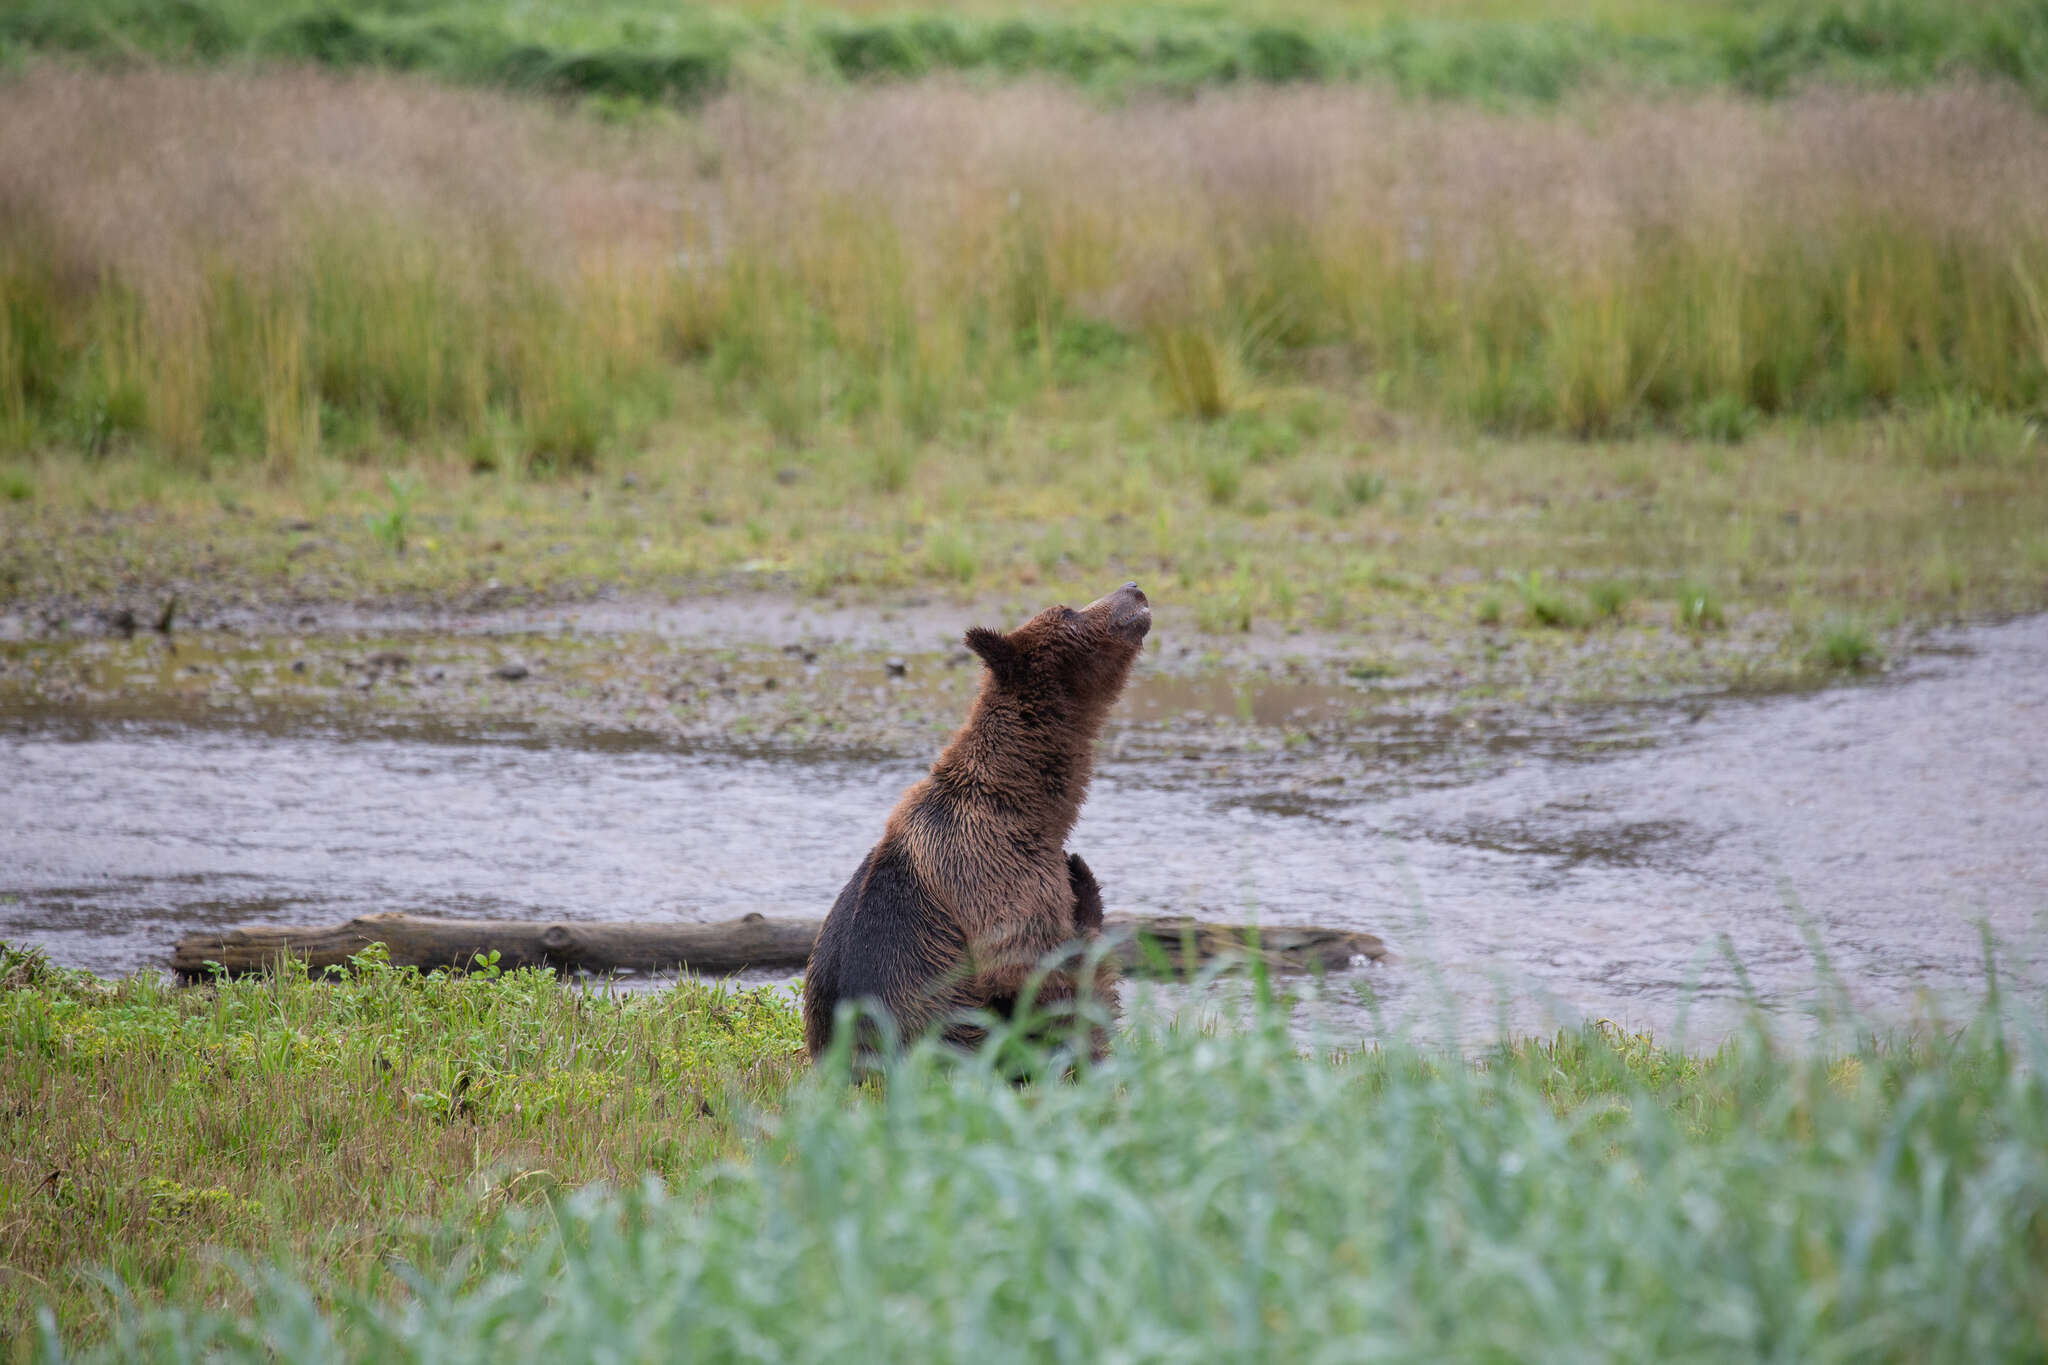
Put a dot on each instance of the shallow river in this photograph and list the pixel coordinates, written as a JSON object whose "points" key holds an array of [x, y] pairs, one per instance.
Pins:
{"points": [[1592, 865]]}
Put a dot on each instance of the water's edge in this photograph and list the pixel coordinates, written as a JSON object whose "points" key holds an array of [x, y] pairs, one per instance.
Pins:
{"points": [[1590, 865]]}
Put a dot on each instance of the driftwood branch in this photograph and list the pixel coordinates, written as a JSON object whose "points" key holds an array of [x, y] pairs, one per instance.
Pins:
{"points": [[754, 941]]}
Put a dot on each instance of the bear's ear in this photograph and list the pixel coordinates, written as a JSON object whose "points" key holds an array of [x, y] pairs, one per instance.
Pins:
{"points": [[996, 651]]}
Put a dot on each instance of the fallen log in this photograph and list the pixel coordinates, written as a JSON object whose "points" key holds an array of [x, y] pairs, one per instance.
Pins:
{"points": [[1174, 945]]}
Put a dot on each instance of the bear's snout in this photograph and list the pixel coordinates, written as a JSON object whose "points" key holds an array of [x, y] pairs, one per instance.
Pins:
{"points": [[1130, 611]]}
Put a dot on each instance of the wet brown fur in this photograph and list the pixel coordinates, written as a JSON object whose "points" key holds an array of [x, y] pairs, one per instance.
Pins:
{"points": [[979, 844]]}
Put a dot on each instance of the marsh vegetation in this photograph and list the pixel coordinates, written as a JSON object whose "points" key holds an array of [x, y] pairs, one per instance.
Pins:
{"points": [[411, 1143]]}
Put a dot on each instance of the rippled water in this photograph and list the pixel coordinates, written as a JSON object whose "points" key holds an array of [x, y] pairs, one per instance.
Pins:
{"points": [[1591, 865]]}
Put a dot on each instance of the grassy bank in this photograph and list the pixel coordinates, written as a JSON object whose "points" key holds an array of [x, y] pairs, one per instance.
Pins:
{"points": [[637, 50], [1206, 1196], [149, 1130], [1325, 517]]}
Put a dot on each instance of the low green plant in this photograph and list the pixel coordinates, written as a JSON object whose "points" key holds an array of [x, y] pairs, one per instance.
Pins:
{"points": [[890, 465], [16, 485], [1958, 431], [1699, 608], [1222, 474], [1725, 418], [1547, 605], [1229, 608], [1609, 599], [1363, 486], [1490, 610], [1267, 436], [1847, 645], [952, 555], [391, 527]]}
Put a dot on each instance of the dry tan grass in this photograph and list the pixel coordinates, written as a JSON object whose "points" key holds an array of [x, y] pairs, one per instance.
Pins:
{"points": [[430, 256]]}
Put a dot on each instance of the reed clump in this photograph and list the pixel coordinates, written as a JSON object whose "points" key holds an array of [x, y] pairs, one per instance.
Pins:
{"points": [[259, 265]]}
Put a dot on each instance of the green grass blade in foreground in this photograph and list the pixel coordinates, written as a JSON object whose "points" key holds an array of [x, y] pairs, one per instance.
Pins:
{"points": [[1219, 1196]]}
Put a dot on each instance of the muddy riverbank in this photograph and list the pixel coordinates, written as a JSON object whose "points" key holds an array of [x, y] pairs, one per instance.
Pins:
{"points": [[772, 673]]}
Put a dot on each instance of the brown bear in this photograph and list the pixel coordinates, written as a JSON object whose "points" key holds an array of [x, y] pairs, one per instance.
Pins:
{"points": [[971, 886]]}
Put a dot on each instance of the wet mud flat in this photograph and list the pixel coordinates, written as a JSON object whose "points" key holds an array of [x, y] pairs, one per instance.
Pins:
{"points": [[1659, 864], [760, 672]]}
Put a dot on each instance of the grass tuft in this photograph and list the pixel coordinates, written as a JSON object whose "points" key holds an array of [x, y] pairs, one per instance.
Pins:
{"points": [[391, 527], [1699, 608], [952, 555], [1609, 599], [1200, 374], [1964, 432], [1847, 646], [1547, 605]]}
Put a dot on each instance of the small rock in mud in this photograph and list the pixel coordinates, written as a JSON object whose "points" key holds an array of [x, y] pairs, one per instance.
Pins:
{"points": [[512, 672]]}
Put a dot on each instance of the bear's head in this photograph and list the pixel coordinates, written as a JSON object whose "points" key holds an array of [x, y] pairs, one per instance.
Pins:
{"points": [[1068, 655]]}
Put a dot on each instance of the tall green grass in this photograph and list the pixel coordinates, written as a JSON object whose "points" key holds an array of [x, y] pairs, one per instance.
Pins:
{"points": [[639, 50], [1220, 1196], [902, 260]]}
